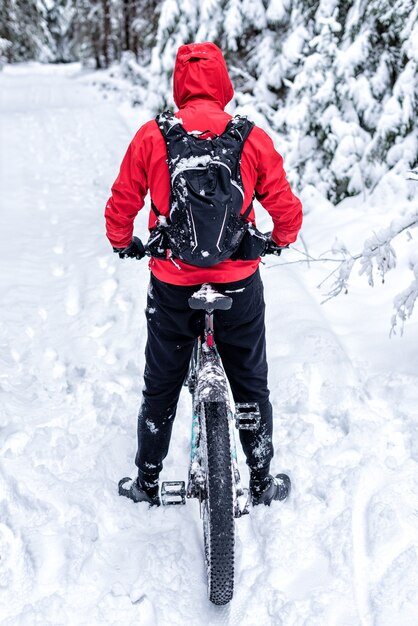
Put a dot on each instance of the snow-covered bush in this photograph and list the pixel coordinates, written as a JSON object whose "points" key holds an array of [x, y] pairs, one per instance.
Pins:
{"points": [[5, 46]]}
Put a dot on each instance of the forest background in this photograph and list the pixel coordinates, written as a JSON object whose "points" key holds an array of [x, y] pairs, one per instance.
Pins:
{"points": [[335, 80]]}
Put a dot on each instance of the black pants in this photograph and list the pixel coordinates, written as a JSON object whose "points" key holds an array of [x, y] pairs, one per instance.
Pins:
{"points": [[240, 338]]}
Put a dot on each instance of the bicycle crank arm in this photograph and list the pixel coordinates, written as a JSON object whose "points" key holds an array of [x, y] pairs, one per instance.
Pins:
{"points": [[173, 492], [243, 503]]}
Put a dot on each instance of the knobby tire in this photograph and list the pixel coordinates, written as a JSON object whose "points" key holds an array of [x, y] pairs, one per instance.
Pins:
{"points": [[218, 510]]}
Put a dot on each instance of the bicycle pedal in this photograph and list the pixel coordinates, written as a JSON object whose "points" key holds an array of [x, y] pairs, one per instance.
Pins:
{"points": [[243, 503], [247, 415], [173, 492]]}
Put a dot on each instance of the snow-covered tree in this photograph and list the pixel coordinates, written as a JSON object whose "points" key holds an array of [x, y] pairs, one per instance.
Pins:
{"points": [[312, 117], [379, 64], [61, 18], [24, 26], [139, 27], [96, 31], [177, 25]]}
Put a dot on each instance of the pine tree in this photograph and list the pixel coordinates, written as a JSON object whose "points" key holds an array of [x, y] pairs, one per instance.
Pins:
{"points": [[140, 25], [61, 25], [24, 26], [177, 25], [390, 77], [97, 31]]}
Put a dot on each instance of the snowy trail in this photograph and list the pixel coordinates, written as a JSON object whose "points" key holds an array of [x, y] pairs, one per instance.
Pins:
{"points": [[342, 551]]}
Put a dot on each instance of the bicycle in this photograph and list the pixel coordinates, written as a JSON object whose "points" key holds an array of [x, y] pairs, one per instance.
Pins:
{"points": [[213, 476]]}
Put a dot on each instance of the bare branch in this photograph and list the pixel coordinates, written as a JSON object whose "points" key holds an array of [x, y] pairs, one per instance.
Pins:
{"points": [[412, 175], [377, 253]]}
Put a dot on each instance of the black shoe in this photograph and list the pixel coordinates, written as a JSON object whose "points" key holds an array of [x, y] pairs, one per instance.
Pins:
{"points": [[137, 493], [278, 489]]}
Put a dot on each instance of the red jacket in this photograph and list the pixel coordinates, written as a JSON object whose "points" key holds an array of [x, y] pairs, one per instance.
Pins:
{"points": [[202, 89]]}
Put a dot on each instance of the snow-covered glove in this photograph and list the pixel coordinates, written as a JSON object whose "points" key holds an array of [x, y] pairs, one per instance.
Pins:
{"points": [[135, 250], [272, 247]]}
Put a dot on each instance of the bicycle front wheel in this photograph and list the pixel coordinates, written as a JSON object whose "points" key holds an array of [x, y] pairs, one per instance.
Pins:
{"points": [[218, 509]]}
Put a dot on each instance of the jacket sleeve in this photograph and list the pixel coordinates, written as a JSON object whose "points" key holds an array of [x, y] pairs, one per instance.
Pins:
{"points": [[128, 193], [273, 191]]}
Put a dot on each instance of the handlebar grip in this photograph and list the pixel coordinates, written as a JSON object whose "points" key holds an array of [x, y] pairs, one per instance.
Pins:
{"points": [[273, 248]]}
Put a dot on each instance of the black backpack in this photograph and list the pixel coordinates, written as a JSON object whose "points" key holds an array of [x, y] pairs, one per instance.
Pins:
{"points": [[205, 225]]}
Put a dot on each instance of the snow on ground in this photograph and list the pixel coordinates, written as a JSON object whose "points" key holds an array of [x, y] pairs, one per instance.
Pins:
{"points": [[341, 552]]}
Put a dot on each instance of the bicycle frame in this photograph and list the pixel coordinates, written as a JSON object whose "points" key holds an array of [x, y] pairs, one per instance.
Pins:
{"points": [[207, 382]]}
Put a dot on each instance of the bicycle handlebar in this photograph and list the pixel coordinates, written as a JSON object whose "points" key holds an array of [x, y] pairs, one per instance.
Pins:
{"points": [[138, 250], [271, 248]]}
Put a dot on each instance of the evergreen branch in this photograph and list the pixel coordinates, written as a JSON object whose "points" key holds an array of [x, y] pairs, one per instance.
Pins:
{"points": [[404, 303]]}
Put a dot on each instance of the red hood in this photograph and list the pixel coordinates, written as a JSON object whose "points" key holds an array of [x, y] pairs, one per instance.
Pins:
{"points": [[200, 72]]}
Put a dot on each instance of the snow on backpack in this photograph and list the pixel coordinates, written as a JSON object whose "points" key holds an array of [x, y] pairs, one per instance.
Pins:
{"points": [[205, 225]]}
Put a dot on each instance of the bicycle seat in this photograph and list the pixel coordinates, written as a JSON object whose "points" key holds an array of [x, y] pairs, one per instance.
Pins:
{"points": [[208, 299]]}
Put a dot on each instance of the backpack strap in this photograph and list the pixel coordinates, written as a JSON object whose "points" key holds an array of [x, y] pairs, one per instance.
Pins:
{"points": [[169, 125], [171, 128], [239, 127], [154, 209], [247, 211]]}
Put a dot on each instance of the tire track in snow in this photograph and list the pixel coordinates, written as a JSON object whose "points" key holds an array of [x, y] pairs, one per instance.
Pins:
{"points": [[369, 482], [63, 143]]}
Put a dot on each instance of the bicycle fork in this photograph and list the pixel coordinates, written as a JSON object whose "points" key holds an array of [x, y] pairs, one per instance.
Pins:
{"points": [[207, 382]]}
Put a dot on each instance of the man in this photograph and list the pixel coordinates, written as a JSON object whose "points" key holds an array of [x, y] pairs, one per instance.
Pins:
{"points": [[202, 88]]}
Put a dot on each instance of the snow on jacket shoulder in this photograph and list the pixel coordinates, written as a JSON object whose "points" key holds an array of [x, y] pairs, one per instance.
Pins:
{"points": [[201, 90]]}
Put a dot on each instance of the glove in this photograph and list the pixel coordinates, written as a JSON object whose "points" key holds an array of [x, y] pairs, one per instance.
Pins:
{"points": [[272, 247], [135, 250]]}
